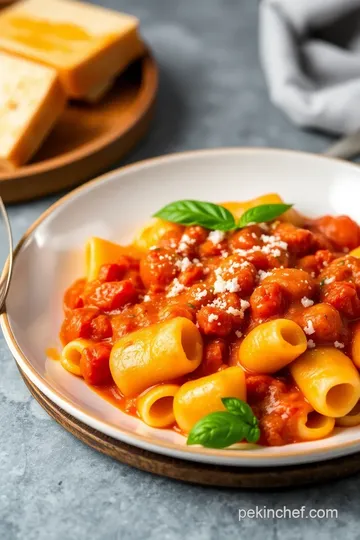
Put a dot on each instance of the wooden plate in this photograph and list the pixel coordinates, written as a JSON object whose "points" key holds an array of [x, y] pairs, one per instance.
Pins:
{"points": [[198, 473], [88, 138]]}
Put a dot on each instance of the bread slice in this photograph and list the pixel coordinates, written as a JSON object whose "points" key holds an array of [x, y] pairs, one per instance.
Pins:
{"points": [[31, 101], [87, 45]]}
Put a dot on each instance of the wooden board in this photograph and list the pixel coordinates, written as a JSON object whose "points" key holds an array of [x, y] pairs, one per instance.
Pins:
{"points": [[88, 139], [198, 473]]}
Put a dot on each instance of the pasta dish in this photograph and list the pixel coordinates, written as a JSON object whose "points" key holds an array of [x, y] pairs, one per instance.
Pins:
{"points": [[227, 323]]}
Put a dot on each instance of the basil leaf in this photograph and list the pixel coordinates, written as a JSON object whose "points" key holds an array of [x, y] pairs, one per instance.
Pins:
{"points": [[253, 434], [239, 408], [262, 213], [206, 214], [218, 430]]}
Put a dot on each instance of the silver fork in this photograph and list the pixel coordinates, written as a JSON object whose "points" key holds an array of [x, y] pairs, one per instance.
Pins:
{"points": [[7, 272]]}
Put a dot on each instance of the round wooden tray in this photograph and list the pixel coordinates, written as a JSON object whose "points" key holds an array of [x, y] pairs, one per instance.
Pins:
{"points": [[88, 139], [198, 473]]}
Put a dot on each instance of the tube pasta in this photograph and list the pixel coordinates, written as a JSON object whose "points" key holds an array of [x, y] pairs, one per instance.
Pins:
{"points": [[200, 397], [313, 426], [355, 252], [355, 345], [238, 208], [152, 232], [99, 251], [351, 419], [159, 353], [271, 346], [155, 406], [71, 355], [328, 379]]}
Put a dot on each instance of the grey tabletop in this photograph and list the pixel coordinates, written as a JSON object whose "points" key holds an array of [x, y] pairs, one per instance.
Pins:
{"points": [[52, 487]]}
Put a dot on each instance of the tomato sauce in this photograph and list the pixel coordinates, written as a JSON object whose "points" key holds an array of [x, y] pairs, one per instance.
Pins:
{"points": [[53, 353], [227, 284]]}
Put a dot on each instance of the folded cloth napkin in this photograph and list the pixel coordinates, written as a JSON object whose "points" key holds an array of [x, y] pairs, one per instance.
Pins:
{"points": [[310, 53]]}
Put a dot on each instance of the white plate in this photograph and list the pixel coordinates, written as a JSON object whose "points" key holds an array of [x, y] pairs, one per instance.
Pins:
{"points": [[49, 258]]}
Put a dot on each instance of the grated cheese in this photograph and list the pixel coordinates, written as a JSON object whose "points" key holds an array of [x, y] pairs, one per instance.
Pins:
{"points": [[213, 317], [176, 288], [311, 344], [236, 312], [183, 264], [216, 237], [339, 345], [309, 328], [221, 304], [221, 285], [199, 294], [185, 242], [272, 246], [306, 302], [262, 275]]}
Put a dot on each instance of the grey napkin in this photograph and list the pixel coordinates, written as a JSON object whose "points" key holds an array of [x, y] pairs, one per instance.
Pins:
{"points": [[310, 53]]}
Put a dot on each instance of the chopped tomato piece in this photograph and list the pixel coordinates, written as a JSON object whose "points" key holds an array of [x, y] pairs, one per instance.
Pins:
{"points": [[199, 295], [94, 364], [299, 241], [268, 300], [73, 298], [158, 268], [191, 275], [294, 281], [113, 295], [342, 231], [344, 297], [308, 264], [324, 319], [314, 264], [246, 238], [122, 325], [101, 328], [197, 234], [214, 322], [243, 271], [276, 404], [115, 271], [77, 324], [211, 249], [215, 355]]}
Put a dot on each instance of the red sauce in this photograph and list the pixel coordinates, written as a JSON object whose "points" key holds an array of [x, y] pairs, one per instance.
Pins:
{"points": [[227, 285], [113, 395], [53, 353]]}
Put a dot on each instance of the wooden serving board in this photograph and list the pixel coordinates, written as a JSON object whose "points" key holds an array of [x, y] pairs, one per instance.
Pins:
{"points": [[198, 473], [88, 138]]}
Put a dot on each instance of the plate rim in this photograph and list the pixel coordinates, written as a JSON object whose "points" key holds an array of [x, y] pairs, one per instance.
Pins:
{"points": [[245, 458], [144, 101]]}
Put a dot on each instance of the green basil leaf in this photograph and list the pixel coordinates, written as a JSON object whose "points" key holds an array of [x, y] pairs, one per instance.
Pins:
{"points": [[262, 213], [206, 214], [218, 430], [239, 408], [253, 434]]}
